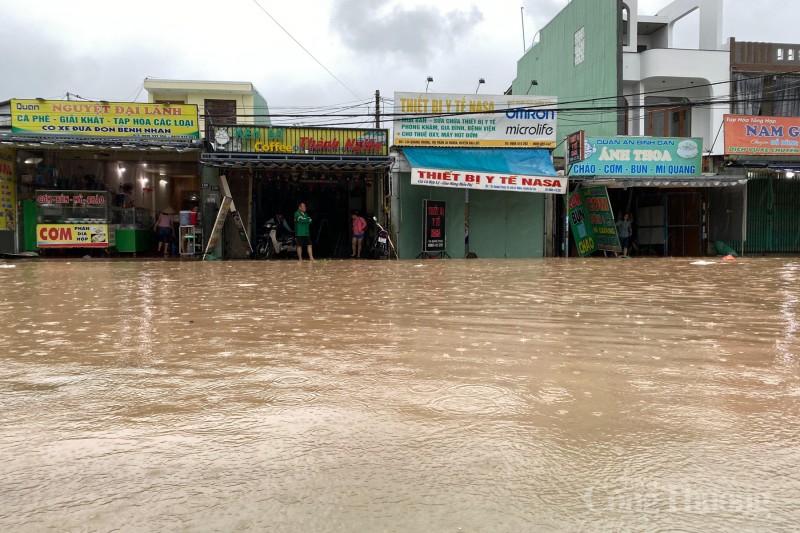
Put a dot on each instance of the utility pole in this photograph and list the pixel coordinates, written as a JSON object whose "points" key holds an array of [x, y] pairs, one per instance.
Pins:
{"points": [[377, 109]]}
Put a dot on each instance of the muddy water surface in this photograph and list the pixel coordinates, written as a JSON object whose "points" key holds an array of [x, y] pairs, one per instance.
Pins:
{"points": [[548, 395]]}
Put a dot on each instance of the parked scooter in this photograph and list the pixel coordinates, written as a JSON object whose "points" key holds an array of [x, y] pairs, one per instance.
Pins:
{"points": [[382, 247], [269, 245]]}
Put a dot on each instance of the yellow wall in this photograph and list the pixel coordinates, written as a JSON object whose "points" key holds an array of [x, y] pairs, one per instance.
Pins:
{"points": [[192, 92]]}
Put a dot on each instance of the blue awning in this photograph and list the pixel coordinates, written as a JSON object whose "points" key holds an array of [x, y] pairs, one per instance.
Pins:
{"points": [[508, 169]]}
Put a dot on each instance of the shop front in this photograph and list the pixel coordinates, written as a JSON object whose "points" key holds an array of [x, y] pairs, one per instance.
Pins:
{"points": [[271, 169], [473, 156], [767, 150], [93, 175], [676, 209]]}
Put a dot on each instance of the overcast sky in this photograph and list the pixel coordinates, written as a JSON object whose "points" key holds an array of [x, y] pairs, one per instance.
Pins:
{"points": [[103, 49]]}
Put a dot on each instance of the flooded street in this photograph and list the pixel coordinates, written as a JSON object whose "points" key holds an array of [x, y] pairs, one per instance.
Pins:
{"points": [[408, 396]]}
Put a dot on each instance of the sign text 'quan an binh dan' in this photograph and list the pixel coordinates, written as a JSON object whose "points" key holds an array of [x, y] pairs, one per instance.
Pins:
{"points": [[107, 119], [640, 156], [458, 120], [750, 135]]}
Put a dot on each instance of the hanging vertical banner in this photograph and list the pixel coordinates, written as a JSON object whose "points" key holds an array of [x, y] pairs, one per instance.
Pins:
{"points": [[575, 147], [579, 221], [8, 186], [433, 217]]}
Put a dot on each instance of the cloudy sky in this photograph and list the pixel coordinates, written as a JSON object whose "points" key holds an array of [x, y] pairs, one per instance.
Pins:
{"points": [[103, 50]]}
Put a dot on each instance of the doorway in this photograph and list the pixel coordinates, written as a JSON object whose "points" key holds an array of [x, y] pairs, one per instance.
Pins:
{"points": [[329, 198]]}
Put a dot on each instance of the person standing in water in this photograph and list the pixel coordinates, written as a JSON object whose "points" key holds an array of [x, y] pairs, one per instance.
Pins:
{"points": [[164, 227], [625, 230], [302, 231], [359, 226]]}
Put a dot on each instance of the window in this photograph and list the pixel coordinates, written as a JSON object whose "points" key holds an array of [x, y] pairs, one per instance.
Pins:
{"points": [[779, 54], [218, 112], [671, 117], [790, 54], [580, 45], [626, 17]]}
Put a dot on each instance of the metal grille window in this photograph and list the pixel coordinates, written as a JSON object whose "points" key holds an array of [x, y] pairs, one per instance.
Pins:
{"points": [[218, 112], [580, 41]]}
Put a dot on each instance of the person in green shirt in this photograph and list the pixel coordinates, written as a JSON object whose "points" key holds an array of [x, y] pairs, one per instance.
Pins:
{"points": [[302, 231]]}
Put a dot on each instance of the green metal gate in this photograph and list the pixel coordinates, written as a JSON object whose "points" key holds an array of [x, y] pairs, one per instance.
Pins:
{"points": [[773, 224]]}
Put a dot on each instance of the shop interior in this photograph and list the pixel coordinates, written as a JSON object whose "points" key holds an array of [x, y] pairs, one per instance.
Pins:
{"points": [[330, 196], [137, 184]]}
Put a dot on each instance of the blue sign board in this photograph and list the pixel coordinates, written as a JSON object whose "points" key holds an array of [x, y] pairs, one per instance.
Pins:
{"points": [[641, 156]]}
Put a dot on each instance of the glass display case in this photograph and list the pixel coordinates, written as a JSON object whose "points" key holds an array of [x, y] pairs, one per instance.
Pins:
{"points": [[72, 219], [131, 218], [134, 229]]}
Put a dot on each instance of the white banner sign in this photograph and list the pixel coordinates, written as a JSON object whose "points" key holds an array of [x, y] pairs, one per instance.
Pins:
{"points": [[489, 121], [490, 181]]}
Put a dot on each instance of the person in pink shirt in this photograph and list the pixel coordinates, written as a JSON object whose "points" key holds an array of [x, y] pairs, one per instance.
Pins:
{"points": [[359, 227]]}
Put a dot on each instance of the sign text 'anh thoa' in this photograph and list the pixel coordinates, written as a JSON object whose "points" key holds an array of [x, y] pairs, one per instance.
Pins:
{"points": [[640, 156], [487, 181]]}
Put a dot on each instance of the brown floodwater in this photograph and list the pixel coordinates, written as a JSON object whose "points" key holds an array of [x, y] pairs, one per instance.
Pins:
{"points": [[408, 396]]}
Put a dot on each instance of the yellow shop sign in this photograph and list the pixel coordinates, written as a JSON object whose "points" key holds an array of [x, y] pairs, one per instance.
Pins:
{"points": [[109, 119]]}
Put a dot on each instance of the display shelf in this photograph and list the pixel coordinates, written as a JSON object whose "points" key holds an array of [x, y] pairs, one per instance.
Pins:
{"points": [[190, 240]]}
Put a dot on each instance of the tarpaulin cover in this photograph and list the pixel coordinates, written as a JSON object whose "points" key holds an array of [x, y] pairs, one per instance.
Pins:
{"points": [[515, 169]]}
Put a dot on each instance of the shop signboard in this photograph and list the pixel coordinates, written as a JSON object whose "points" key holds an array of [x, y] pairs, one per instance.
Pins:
{"points": [[8, 202], [575, 147], [476, 121], [749, 135], [592, 221], [72, 236], [489, 181], [104, 119], [433, 218], [579, 222], [601, 218], [641, 156], [304, 141]]}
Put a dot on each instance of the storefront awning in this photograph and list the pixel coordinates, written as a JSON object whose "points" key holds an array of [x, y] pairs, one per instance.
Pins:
{"points": [[503, 169], [706, 180], [295, 161], [69, 142]]}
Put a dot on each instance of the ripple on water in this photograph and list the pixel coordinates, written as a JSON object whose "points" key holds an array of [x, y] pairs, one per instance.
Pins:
{"points": [[293, 398], [553, 395], [474, 399], [289, 381]]}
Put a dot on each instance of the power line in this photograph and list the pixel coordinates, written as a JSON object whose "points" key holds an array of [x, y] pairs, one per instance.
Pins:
{"points": [[304, 49]]}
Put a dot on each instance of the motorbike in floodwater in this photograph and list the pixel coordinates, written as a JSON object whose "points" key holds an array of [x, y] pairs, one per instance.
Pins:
{"points": [[271, 245], [382, 246]]}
